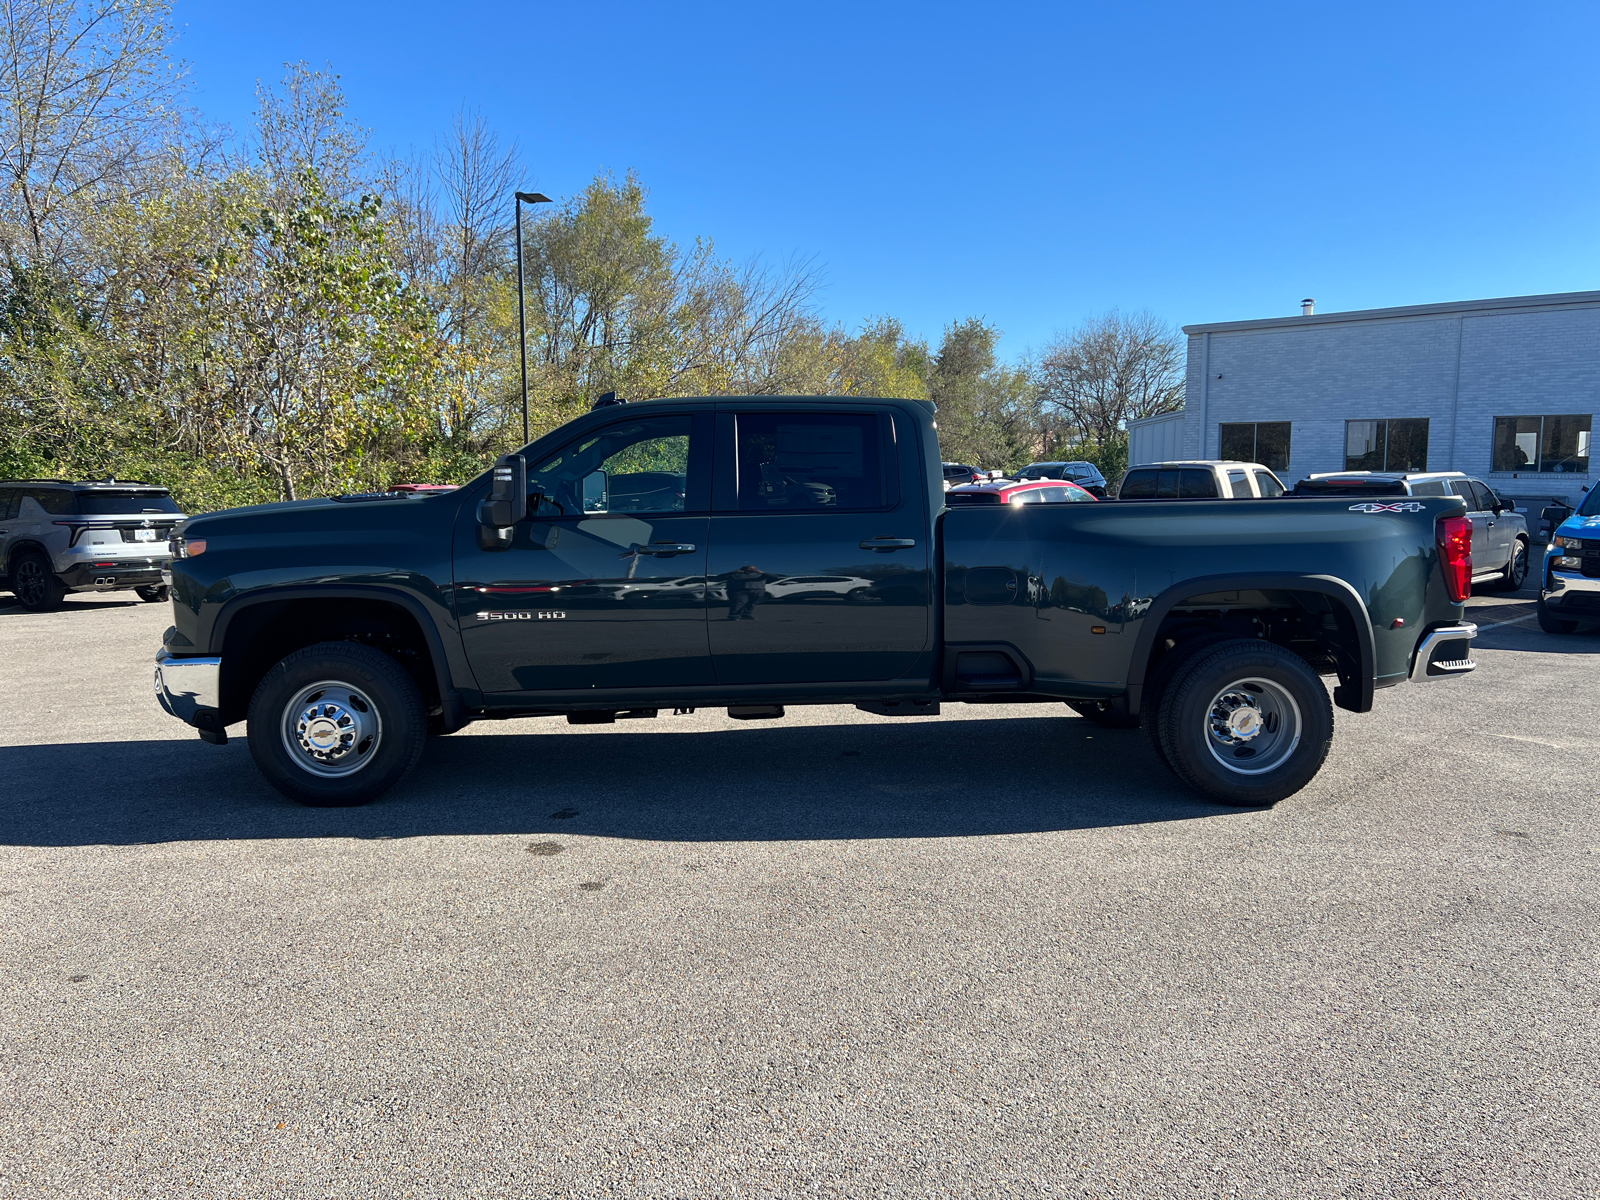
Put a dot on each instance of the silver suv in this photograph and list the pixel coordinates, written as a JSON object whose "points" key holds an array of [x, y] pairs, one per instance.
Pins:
{"points": [[1499, 529], [58, 537]]}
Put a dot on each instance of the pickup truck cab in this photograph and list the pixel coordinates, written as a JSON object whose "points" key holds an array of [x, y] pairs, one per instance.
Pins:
{"points": [[653, 557], [1200, 479], [1569, 587]]}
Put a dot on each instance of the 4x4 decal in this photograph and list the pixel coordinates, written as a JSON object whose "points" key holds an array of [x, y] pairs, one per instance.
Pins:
{"points": [[1405, 506]]}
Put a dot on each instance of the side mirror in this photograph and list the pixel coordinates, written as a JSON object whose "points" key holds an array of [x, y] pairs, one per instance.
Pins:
{"points": [[507, 503], [596, 484]]}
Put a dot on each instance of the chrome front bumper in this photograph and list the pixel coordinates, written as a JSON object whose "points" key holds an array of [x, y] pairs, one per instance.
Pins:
{"points": [[1443, 653], [1571, 588], [186, 685]]}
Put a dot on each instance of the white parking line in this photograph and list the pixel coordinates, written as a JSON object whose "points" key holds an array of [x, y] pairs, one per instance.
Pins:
{"points": [[1513, 621]]}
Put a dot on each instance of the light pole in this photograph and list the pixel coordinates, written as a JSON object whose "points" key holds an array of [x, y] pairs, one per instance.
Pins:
{"points": [[522, 316]]}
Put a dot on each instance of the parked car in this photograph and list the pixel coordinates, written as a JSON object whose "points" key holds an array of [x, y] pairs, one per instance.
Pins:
{"points": [[1085, 474], [1499, 530], [1569, 589], [958, 473], [426, 488], [1200, 479], [57, 537], [1010, 491], [345, 631]]}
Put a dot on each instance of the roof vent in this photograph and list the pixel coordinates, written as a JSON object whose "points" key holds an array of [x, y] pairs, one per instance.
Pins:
{"points": [[1307, 307]]}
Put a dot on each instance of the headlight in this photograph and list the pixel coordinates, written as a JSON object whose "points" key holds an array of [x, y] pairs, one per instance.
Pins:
{"points": [[1570, 543], [1566, 560]]}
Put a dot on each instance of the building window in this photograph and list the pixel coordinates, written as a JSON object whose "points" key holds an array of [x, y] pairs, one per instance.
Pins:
{"points": [[1544, 444], [1394, 445], [1264, 442]]}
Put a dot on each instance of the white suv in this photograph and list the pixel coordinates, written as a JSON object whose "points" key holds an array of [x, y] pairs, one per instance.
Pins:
{"points": [[58, 537]]}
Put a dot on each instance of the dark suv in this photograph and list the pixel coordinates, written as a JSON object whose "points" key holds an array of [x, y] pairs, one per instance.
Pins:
{"points": [[1085, 474], [58, 537]]}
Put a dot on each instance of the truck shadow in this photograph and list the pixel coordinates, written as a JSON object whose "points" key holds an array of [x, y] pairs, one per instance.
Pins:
{"points": [[911, 778]]}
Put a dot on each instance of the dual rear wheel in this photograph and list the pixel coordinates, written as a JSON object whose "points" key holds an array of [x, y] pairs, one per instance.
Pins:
{"points": [[1242, 720]]}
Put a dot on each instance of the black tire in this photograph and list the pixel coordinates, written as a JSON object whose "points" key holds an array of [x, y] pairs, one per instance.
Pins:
{"points": [[34, 584], [360, 697], [1157, 682], [1516, 571], [1246, 722], [1551, 623], [1112, 714], [155, 594]]}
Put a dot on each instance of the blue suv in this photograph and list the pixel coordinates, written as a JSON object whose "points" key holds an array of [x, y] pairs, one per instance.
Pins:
{"points": [[1570, 590]]}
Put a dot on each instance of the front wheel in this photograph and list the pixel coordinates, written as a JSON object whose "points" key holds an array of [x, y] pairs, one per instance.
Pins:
{"points": [[1551, 623], [336, 724], [1516, 570], [1246, 722]]}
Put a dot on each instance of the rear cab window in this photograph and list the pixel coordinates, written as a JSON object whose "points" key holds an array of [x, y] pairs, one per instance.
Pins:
{"points": [[1138, 485], [794, 461]]}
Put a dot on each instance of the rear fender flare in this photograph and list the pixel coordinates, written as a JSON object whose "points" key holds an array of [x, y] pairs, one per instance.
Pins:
{"points": [[1337, 590]]}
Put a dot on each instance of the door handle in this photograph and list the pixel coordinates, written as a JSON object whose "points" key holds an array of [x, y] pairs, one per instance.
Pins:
{"points": [[885, 544], [663, 548]]}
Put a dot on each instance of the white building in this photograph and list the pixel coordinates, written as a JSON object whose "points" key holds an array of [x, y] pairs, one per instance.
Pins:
{"points": [[1505, 389]]}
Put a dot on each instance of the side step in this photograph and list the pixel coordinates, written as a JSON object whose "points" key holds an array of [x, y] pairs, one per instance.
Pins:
{"points": [[755, 712], [900, 708]]}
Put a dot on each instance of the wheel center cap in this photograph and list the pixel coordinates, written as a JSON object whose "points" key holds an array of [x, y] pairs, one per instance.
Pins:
{"points": [[1244, 723], [323, 734]]}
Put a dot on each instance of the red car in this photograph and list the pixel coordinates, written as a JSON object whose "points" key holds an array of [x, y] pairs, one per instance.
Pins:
{"points": [[1009, 491], [425, 489]]}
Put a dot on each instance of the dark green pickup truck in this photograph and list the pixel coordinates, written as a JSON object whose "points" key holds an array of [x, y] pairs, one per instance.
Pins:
{"points": [[751, 554]]}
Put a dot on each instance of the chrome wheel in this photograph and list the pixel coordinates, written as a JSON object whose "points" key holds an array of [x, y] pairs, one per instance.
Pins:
{"points": [[1252, 726], [331, 729]]}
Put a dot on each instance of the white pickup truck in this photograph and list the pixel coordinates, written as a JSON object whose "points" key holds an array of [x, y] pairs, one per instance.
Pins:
{"points": [[1200, 479]]}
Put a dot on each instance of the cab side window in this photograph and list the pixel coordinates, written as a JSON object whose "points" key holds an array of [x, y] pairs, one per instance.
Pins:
{"points": [[1240, 486], [10, 502], [638, 466], [55, 501], [1485, 495], [1269, 485], [1463, 488], [809, 461], [1197, 484]]}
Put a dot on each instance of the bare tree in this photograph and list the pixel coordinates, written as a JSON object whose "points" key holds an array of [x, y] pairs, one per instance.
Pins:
{"points": [[302, 125], [1111, 370], [86, 93]]}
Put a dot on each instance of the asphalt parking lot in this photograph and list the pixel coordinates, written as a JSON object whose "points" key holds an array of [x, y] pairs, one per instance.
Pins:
{"points": [[998, 952]]}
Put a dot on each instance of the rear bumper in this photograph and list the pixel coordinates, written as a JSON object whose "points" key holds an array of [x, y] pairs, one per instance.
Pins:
{"points": [[186, 686], [108, 575], [1443, 652]]}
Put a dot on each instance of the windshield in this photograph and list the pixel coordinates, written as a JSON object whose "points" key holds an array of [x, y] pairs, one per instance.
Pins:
{"points": [[124, 504], [1591, 503]]}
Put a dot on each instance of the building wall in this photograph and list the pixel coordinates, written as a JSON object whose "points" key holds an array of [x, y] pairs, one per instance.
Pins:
{"points": [[1460, 370]]}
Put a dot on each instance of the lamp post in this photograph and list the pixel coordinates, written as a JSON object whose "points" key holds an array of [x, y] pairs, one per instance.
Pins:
{"points": [[522, 316]]}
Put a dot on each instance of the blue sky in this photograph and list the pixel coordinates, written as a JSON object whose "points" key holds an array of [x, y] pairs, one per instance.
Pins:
{"points": [[1031, 164]]}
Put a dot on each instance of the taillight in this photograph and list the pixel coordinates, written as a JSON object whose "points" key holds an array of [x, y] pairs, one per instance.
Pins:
{"points": [[1455, 555]]}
